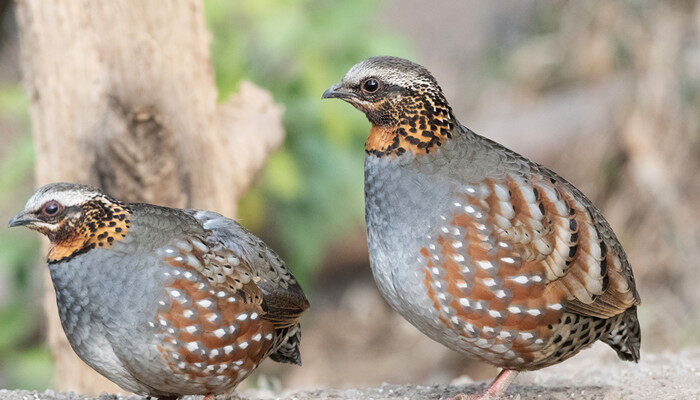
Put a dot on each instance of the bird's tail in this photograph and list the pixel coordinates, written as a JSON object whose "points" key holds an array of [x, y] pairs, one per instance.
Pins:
{"points": [[625, 337], [288, 351]]}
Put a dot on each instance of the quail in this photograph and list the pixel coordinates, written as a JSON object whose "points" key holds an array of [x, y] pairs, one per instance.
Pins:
{"points": [[481, 249], [164, 302]]}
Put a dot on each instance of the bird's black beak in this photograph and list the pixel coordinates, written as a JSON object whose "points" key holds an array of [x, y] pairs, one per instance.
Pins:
{"points": [[21, 219], [336, 92]]}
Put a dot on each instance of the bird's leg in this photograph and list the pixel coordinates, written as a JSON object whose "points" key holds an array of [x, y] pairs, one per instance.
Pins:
{"points": [[496, 389], [500, 384], [208, 397]]}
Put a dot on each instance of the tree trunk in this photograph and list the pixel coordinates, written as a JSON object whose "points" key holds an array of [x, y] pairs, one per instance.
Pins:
{"points": [[123, 97]]}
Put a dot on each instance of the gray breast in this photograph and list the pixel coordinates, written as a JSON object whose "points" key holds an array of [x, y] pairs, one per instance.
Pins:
{"points": [[402, 201], [105, 300]]}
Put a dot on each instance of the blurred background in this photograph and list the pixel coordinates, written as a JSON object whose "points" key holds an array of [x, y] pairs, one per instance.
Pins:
{"points": [[605, 93]]}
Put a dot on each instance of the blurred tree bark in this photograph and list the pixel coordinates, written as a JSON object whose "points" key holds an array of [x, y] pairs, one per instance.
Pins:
{"points": [[123, 97]]}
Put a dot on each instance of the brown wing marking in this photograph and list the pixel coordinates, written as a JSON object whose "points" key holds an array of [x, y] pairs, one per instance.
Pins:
{"points": [[484, 285], [511, 256], [594, 280], [212, 326]]}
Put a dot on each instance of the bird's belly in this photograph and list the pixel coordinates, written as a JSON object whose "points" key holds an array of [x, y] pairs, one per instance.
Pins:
{"points": [[408, 286], [105, 317], [402, 284], [422, 278], [89, 338]]}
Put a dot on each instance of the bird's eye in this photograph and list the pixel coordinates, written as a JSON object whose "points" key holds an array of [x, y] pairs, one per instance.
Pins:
{"points": [[371, 85], [51, 208]]}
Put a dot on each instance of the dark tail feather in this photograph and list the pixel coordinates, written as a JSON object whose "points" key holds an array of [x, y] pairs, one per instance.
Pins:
{"points": [[625, 337], [288, 351]]}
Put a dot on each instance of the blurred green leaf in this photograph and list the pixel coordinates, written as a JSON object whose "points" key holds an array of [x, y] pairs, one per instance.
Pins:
{"points": [[282, 173]]}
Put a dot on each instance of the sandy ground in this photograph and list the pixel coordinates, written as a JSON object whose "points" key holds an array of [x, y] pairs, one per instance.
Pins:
{"points": [[588, 376]]}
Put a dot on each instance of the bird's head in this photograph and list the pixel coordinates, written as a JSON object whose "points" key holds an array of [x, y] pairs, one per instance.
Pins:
{"points": [[403, 102], [75, 218]]}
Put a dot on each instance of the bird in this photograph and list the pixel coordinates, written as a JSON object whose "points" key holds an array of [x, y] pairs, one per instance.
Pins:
{"points": [[164, 302], [484, 251]]}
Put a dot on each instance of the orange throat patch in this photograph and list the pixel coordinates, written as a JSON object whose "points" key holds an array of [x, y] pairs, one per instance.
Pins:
{"points": [[395, 141], [99, 227], [380, 139]]}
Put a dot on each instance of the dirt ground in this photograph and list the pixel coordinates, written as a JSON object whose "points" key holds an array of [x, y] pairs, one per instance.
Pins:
{"points": [[595, 374]]}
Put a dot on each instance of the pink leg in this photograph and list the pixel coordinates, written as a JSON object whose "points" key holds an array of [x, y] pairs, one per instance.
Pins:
{"points": [[208, 397], [496, 389], [500, 384]]}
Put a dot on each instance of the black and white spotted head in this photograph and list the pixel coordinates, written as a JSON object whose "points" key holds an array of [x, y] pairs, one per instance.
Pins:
{"points": [[402, 100], [75, 218]]}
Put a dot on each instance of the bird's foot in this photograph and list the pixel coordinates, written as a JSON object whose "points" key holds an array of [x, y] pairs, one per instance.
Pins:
{"points": [[495, 390]]}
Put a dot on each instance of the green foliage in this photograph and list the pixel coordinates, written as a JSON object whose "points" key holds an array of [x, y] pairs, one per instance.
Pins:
{"points": [[312, 188]]}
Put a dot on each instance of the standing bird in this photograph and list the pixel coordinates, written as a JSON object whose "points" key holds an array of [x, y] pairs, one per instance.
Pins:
{"points": [[161, 301], [481, 249]]}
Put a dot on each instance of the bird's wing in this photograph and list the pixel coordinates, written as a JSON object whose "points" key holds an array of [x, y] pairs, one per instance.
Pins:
{"points": [[512, 257], [282, 299], [213, 321], [601, 251], [522, 249]]}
